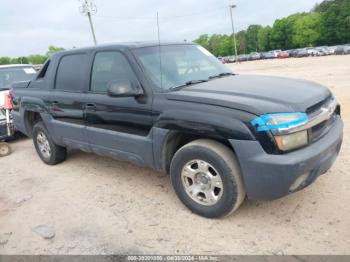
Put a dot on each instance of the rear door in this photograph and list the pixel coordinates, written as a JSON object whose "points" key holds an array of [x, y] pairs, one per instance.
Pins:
{"points": [[68, 99], [118, 126]]}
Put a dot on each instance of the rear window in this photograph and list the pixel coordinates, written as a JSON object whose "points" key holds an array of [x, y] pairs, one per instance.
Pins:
{"points": [[71, 73], [10, 75]]}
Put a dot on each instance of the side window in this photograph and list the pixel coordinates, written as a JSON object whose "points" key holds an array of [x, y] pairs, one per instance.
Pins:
{"points": [[109, 67], [71, 74]]}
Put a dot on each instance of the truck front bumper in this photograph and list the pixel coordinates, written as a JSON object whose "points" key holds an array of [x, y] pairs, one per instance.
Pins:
{"points": [[269, 176]]}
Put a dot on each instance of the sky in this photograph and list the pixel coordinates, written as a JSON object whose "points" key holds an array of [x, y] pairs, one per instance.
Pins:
{"points": [[29, 27]]}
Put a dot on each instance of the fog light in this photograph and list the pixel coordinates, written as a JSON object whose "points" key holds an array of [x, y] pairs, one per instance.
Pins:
{"points": [[298, 182]]}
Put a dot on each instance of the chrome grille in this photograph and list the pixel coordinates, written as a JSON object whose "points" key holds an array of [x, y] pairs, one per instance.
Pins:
{"points": [[320, 113], [318, 131]]}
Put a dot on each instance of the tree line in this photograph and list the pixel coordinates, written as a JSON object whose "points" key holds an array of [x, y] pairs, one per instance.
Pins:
{"points": [[31, 59], [327, 23]]}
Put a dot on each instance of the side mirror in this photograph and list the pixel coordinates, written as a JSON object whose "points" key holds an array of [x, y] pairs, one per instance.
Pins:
{"points": [[123, 88]]}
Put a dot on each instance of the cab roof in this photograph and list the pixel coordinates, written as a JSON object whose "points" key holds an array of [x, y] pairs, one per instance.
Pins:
{"points": [[125, 45]]}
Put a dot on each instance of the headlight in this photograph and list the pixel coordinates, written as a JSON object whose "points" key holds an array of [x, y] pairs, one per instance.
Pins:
{"points": [[279, 121], [292, 141]]}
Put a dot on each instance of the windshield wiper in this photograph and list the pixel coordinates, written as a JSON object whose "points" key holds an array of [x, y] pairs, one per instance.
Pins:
{"points": [[193, 82], [188, 83], [221, 75]]}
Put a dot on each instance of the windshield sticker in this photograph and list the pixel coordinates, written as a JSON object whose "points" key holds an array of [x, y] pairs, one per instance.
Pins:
{"points": [[29, 70], [205, 51]]}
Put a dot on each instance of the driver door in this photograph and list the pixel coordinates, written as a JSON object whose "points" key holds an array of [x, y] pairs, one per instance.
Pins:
{"points": [[117, 126]]}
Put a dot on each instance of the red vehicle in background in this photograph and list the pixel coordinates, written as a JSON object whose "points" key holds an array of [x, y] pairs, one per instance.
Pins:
{"points": [[283, 54]]}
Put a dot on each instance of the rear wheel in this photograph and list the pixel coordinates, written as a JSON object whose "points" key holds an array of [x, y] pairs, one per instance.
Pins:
{"points": [[207, 179], [47, 150]]}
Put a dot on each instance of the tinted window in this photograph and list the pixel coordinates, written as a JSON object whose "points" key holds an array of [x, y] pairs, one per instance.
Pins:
{"points": [[109, 67], [71, 74]]}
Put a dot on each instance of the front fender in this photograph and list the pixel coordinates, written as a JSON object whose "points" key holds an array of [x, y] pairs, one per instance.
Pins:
{"points": [[204, 124], [223, 126]]}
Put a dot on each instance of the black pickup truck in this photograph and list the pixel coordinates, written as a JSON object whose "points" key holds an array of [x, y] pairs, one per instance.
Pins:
{"points": [[174, 107]]}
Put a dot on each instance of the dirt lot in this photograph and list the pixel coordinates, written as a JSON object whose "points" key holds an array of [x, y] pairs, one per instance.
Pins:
{"points": [[97, 205]]}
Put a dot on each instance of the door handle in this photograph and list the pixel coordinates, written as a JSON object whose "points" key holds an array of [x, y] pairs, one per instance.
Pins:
{"points": [[90, 106]]}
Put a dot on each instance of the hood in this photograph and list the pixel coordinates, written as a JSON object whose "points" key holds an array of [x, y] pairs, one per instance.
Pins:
{"points": [[255, 94]]}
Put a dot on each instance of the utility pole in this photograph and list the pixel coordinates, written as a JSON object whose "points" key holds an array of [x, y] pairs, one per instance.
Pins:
{"points": [[233, 31], [88, 8]]}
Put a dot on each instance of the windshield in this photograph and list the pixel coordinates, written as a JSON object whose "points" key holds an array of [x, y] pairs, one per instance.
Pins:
{"points": [[15, 74], [179, 65]]}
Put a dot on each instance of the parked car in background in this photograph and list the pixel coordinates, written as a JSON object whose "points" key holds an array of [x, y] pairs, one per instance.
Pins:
{"points": [[222, 60], [346, 49], [332, 49], [276, 52], [264, 55], [312, 51], [10, 74], [220, 136], [339, 50], [293, 53], [323, 50], [242, 58], [232, 59], [283, 54], [254, 56], [342, 50], [301, 52], [268, 55], [229, 59]]}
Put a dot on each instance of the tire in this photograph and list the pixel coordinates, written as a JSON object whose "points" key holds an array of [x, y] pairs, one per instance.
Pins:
{"points": [[5, 149], [48, 151], [221, 163]]}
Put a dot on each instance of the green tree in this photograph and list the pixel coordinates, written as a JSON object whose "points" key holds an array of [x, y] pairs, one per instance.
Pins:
{"points": [[327, 24], [53, 49], [264, 38], [335, 21], [282, 32], [203, 40], [5, 60], [37, 59], [307, 30], [252, 38], [214, 44], [241, 42], [225, 46]]}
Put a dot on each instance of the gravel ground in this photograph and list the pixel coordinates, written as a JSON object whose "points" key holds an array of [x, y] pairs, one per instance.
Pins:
{"points": [[95, 205]]}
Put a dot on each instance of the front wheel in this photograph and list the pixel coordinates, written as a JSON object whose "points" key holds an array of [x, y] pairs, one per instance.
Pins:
{"points": [[207, 179], [48, 151]]}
